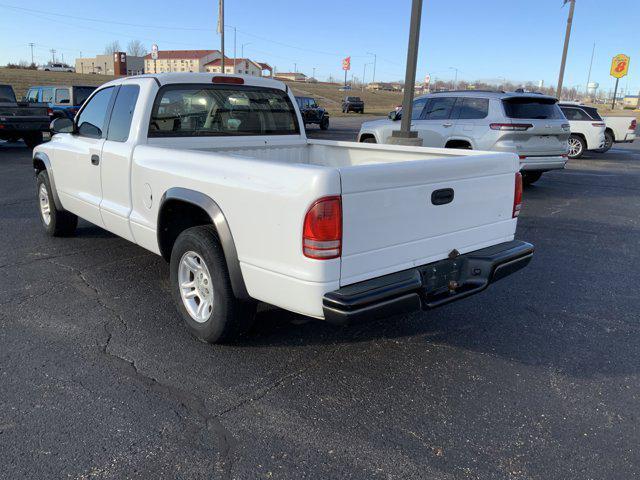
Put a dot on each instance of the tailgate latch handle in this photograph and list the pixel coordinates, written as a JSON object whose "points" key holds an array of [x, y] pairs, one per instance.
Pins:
{"points": [[442, 196]]}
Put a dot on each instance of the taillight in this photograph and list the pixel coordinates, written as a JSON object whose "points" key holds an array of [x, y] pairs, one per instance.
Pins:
{"points": [[322, 231], [50, 112], [633, 125], [232, 80], [517, 196], [598, 124], [519, 127]]}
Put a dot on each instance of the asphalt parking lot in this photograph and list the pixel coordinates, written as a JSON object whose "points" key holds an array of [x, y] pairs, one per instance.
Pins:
{"points": [[536, 378]]}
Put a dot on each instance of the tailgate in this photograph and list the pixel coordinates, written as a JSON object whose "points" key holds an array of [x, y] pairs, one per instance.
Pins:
{"points": [[392, 220]]}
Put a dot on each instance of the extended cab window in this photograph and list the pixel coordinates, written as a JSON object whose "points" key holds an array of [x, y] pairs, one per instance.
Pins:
{"points": [[222, 110], [439, 108], [123, 107], [93, 117], [62, 96]]}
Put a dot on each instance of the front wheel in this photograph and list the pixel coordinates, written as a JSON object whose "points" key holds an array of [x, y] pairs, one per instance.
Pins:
{"points": [[577, 146], [201, 288], [57, 223]]}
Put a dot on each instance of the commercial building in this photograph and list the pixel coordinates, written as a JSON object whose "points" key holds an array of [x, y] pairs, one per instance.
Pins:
{"points": [[118, 64], [631, 101], [203, 61], [291, 76], [243, 66]]}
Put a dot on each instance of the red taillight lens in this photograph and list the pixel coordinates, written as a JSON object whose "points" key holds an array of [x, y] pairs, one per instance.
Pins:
{"points": [[519, 127], [633, 125], [232, 80], [517, 196], [322, 231], [50, 112], [598, 124]]}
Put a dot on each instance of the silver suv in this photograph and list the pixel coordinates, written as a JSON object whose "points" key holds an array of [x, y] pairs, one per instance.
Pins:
{"points": [[528, 124]]}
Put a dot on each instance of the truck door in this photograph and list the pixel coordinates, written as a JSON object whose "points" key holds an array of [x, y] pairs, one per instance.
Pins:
{"points": [[77, 163], [115, 164]]}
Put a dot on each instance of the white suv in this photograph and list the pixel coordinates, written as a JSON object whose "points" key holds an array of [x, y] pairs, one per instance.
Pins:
{"points": [[528, 124], [587, 128]]}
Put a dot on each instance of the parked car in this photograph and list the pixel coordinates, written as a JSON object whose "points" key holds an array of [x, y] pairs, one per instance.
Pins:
{"points": [[215, 173], [312, 113], [352, 104], [618, 130], [63, 100], [56, 67], [21, 119], [587, 128], [346, 88], [529, 125]]}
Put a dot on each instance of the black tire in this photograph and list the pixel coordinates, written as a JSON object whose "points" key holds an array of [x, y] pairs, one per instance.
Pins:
{"points": [[580, 146], [608, 142], [324, 124], [229, 317], [61, 223], [369, 140], [529, 178], [361, 111], [33, 139]]}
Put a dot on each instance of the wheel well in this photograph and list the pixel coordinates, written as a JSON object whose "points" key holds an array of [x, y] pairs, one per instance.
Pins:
{"points": [[364, 136], [584, 139], [176, 216], [610, 130], [38, 165], [464, 144]]}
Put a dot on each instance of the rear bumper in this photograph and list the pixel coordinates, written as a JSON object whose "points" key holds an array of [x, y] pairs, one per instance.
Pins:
{"points": [[11, 126], [543, 163], [426, 287], [629, 138]]}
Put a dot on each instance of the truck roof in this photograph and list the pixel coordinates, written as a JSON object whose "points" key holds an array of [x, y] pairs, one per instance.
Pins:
{"points": [[202, 77]]}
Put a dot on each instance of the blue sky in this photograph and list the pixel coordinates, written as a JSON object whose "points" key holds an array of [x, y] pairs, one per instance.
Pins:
{"points": [[520, 40]]}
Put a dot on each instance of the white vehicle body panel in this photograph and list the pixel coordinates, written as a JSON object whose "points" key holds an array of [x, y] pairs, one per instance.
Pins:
{"points": [[264, 185], [593, 135], [621, 128]]}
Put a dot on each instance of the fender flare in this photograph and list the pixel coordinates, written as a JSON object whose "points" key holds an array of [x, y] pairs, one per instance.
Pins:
{"points": [[218, 219], [44, 158]]}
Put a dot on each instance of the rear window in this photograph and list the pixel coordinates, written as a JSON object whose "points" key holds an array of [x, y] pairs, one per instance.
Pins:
{"points": [[222, 110], [353, 99], [80, 94], [6, 94], [593, 112], [531, 108]]}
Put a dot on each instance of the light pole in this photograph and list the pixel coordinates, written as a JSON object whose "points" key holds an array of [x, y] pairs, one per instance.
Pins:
{"points": [[593, 51], [375, 58], [242, 48], [314, 73], [364, 73], [567, 35], [405, 136], [455, 81]]}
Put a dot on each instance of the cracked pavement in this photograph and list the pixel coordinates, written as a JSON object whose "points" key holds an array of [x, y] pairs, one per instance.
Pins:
{"points": [[535, 378]]}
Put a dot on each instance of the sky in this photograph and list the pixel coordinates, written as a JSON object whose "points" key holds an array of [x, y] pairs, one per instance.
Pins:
{"points": [[520, 40]]}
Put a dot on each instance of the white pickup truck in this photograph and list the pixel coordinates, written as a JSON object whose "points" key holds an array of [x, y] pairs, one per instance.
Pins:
{"points": [[619, 130], [215, 174]]}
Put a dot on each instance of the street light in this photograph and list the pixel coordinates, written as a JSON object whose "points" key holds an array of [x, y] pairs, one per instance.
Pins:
{"points": [[375, 58], [455, 81]]}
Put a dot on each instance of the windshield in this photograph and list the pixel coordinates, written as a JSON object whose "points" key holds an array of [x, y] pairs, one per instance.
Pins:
{"points": [[6, 94], [353, 99], [80, 94], [532, 108], [221, 110]]}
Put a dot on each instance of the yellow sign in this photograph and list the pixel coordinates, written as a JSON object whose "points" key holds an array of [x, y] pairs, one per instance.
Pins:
{"points": [[619, 66]]}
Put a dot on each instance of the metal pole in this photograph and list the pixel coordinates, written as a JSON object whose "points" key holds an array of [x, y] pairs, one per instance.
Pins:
{"points": [[363, 75], [405, 136], [314, 73], [593, 51], [222, 32], [615, 91], [567, 35], [31, 45]]}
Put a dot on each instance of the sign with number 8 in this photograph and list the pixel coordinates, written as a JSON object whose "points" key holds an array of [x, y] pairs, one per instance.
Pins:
{"points": [[619, 66]]}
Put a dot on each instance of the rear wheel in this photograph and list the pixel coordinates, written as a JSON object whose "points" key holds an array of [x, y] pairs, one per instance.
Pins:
{"points": [[324, 124], [33, 139], [577, 146], [369, 140], [529, 178], [57, 223], [608, 142], [201, 288]]}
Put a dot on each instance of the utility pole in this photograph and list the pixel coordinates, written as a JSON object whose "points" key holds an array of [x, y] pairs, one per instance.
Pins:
{"points": [[314, 73], [32, 45], [295, 67], [593, 51], [364, 73], [405, 136], [242, 48], [221, 29], [567, 35], [375, 58], [53, 54], [455, 81]]}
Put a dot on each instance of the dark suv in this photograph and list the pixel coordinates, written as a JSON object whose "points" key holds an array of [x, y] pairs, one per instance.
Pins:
{"points": [[312, 113], [352, 104]]}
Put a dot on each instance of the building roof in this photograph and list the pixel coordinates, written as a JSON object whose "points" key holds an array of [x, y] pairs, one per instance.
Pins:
{"points": [[179, 54], [291, 73], [265, 66], [229, 61]]}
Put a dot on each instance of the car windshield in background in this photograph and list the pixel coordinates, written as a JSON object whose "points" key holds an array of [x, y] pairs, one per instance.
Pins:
{"points": [[6, 94], [531, 108], [80, 94], [353, 99], [220, 110]]}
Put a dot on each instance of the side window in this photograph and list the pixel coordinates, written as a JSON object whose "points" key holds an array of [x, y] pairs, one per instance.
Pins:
{"points": [[62, 96], [418, 107], [471, 108], [92, 119], [575, 114], [123, 107], [439, 108], [47, 94], [32, 95]]}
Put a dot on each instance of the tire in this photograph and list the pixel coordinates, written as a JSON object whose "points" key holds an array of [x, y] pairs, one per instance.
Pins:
{"points": [[324, 124], [369, 140], [577, 146], [529, 178], [608, 142], [33, 139], [57, 223], [361, 111], [225, 318]]}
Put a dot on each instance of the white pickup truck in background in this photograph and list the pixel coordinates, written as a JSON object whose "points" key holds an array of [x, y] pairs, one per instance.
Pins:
{"points": [[215, 174], [619, 130]]}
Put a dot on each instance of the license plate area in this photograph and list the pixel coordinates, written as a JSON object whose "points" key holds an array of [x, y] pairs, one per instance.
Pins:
{"points": [[441, 276]]}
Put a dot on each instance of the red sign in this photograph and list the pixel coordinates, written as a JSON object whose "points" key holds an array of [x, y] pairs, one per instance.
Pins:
{"points": [[346, 63]]}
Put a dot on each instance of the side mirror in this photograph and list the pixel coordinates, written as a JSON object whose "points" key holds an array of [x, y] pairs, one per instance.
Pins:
{"points": [[62, 125], [395, 115]]}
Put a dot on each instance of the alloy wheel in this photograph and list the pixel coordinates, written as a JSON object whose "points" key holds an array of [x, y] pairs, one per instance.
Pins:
{"points": [[196, 288], [45, 206]]}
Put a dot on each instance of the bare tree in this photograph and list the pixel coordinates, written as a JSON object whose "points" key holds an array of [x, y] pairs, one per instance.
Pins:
{"points": [[135, 48], [112, 47]]}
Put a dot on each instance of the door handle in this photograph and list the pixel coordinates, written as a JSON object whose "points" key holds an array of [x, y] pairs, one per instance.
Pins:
{"points": [[95, 160], [447, 125]]}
